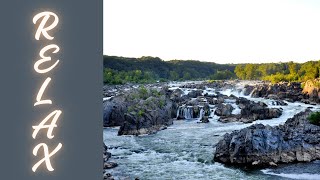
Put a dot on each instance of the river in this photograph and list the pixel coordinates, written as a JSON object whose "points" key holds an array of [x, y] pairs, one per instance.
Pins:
{"points": [[185, 149]]}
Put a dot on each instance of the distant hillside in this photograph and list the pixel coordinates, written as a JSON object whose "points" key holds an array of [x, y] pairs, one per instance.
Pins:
{"points": [[119, 70]]}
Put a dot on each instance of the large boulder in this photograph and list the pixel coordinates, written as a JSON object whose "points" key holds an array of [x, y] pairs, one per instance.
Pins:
{"points": [[224, 110], [256, 110], [260, 146]]}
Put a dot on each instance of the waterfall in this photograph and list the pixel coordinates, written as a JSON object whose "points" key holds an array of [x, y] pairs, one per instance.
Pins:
{"points": [[188, 112], [185, 111], [178, 112], [201, 114]]}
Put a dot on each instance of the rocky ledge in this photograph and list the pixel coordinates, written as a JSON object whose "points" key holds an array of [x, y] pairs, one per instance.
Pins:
{"points": [[261, 146]]}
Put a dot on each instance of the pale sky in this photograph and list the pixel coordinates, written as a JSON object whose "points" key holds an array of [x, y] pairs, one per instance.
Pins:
{"points": [[221, 31]]}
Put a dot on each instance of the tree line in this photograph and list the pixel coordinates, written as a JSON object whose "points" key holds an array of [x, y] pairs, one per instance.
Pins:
{"points": [[120, 70], [277, 72], [147, 69]]}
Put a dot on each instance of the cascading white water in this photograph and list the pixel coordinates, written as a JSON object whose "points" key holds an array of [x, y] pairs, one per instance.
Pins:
{"points": [[185, 111], [201, 113]]}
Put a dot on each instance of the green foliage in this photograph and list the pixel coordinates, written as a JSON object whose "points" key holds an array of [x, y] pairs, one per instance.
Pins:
{"points": [[276, 72], [121, 70], [143, 92], [223, 75], [141, 113], [111, 76], [314, 118]]}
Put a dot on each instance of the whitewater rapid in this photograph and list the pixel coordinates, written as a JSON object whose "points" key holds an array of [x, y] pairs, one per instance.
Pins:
{"points": [[185, 149]]}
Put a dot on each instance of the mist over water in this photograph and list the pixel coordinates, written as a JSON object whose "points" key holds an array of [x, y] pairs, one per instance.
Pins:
{"points": [[185, 149]]}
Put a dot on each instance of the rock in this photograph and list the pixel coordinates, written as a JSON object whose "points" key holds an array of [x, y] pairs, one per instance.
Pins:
{"points": [[140, 111], [195, 93], [113, 111], [247, 90], [311, 89], [253, 111], [278, 103], [283, 90], [250, 111], [204, 119], [106, 154], [224, 110], [263, 146], [176, 95], [228, 119], [109, 165], [107, 176]]}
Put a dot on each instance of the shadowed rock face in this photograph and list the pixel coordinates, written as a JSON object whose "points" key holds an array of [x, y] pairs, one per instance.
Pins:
{"points": [[260, 146]]}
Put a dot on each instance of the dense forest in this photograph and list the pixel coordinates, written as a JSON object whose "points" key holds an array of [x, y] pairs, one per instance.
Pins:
{"points": [[276, 72], [120, 70]]}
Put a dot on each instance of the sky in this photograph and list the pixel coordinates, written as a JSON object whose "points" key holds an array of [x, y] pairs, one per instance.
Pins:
{"points": [[221, 31]]}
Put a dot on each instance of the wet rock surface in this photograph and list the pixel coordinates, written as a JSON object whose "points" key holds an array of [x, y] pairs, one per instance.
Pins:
{"points": [[261, 146]]}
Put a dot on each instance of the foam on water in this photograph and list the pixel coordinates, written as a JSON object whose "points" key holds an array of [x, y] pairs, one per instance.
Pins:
{"points": [[302, 176]]}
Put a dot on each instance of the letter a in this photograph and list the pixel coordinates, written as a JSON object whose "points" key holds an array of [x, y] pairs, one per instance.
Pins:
{"points": [[50, 127], [41, 29], [47, 156]]}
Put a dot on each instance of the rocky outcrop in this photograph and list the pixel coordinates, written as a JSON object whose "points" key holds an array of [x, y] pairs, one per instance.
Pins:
{"points": [[283, 90], [224, 110], [310, 94], [311, 89], [260, 146], [250, 111], [256, 110], [139, 111]]}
